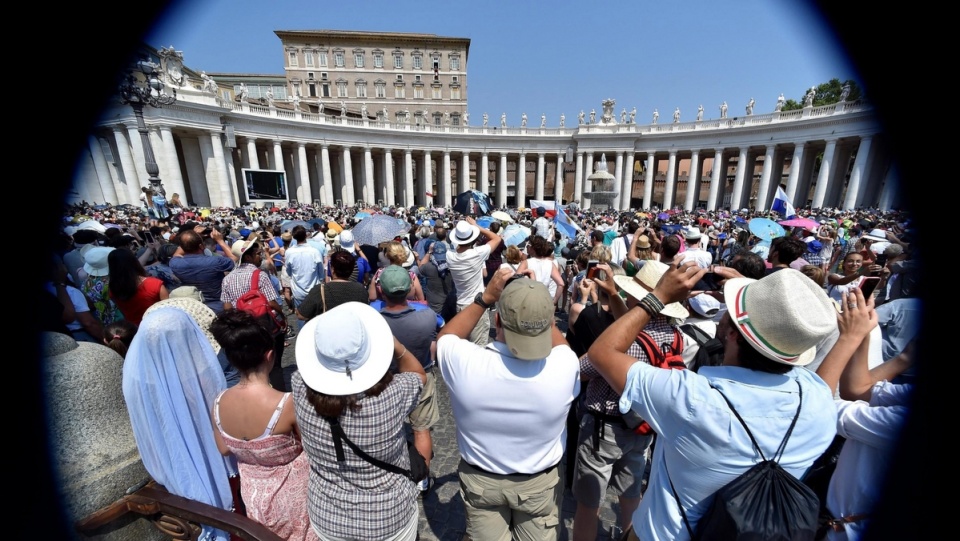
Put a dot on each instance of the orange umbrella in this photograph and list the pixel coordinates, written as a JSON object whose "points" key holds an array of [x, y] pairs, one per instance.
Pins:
{"points": [[335, 226]]}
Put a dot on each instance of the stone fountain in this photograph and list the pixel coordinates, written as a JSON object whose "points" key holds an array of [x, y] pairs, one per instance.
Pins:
{"points": [[603, 186]]}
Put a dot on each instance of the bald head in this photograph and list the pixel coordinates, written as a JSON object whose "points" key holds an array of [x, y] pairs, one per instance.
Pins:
{"points": [[190, 242]]}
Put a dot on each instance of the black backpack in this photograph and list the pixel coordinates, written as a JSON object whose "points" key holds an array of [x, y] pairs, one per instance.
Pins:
{"points": [[764, 503], [710, 350]]}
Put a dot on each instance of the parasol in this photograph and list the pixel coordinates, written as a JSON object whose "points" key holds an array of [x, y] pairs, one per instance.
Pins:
{"points": [[805, 223], [379, 228], [765, 228], [473, 203]]}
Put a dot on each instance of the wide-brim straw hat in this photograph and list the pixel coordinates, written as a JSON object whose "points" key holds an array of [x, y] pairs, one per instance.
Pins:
{"points": [[783, 315], [645, 281]]}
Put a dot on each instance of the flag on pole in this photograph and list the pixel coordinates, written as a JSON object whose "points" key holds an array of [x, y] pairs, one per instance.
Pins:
{"points": [[563, 223], [549, 206], [782, 205]]}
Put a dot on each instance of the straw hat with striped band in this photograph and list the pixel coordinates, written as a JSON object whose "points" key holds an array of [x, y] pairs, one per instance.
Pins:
{"points": [[783, 315]]}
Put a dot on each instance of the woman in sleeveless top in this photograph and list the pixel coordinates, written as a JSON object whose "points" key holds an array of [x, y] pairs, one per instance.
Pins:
{"points": [[256, 423]]}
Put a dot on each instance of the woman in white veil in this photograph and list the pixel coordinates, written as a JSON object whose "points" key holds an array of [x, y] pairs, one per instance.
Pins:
{"points": [[171, 378]]}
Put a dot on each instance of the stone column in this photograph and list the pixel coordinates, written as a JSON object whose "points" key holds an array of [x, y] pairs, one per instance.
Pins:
{"points": [[693, 181], [174, 178], [232, 175], [463, 179], [252, 153], [715, 180], [139, 160], [100, 165], [858, 173], [194, 167], [558, 181], [426, 180], [326, 183], [538, 188], [484, 176], [587, 187], [304, 194], [369, 194], [618, 182], [408, 200], [388, 180], [521, 183], [888, 194], [347, 193], [502, 181], [793, 178], [447, 183], [131, 190], [648, 182], [841, 164], [824, 177], [578, 180], [671, 187], [278, 156], [736, 197], [211, 180], [221, 174], [626, 189], [763, 194]]}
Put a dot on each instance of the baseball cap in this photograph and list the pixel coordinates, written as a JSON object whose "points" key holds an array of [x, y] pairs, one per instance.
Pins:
{"points": [[395, 279], [526, 314]]}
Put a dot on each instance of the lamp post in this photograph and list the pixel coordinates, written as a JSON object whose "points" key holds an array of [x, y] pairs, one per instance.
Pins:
{"points": [[140, 87]]}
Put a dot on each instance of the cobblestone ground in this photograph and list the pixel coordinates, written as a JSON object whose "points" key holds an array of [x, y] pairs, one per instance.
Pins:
{"points": [[441, 511]]}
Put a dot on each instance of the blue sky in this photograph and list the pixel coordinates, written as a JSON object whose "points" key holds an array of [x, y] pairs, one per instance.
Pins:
{"points": [[553, 57]]}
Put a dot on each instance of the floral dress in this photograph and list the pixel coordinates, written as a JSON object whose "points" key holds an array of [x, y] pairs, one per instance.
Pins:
{"points": [[274, 473], [97, 290]]}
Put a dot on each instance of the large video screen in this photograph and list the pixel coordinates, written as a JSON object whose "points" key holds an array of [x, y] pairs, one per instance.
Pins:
{"points": [[265, 185]]}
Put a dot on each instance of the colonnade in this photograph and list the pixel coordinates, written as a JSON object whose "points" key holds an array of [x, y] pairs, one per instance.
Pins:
{"points": [[815, 162]]}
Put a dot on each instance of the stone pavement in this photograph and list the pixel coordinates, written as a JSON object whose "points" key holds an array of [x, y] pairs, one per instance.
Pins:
{"points": [[441, 511]]}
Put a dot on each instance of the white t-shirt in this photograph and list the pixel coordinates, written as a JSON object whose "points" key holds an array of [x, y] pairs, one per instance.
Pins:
{"points": [[467, 272], [702, 258], [510, 413], [543, 269]]}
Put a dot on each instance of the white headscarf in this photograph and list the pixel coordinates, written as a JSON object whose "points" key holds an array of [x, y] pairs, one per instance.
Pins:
{"points": [[171, 378]]}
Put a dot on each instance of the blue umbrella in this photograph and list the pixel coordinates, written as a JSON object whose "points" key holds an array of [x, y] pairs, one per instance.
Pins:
{"points": [[379, 228], [514, 234], [485, 221], [361, 215], [288, 225], [320, 221], [766, 229]]}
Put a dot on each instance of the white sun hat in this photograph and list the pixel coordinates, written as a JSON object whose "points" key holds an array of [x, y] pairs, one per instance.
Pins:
{"points": [[345, 350]]}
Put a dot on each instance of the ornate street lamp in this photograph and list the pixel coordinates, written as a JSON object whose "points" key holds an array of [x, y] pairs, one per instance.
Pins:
{"points": [[142, 86]]}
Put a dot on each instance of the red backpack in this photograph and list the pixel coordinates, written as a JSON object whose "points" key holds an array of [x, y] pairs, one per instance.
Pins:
{"points": [[661, 356], [257, 305]]}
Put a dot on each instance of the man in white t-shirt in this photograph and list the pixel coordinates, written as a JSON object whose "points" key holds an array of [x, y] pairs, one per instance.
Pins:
{"points": [[510, 401], [542, 226], [466, 264], [695, 252]]}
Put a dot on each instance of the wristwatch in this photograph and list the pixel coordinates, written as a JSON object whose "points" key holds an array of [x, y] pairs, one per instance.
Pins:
{"points": [[479, 300]]}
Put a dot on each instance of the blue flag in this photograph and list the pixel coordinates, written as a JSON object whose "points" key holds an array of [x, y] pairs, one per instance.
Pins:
{"points": [[563, 223], [782, 205]]}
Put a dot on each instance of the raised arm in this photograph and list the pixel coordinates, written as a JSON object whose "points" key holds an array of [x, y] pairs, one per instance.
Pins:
{"points": [[608, 352]]}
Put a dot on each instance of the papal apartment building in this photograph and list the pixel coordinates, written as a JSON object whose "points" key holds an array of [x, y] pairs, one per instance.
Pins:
{"points": [[394, 76]]}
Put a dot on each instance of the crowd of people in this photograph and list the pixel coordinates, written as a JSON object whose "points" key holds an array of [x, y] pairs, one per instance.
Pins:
{"points": [[780, 338]]}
